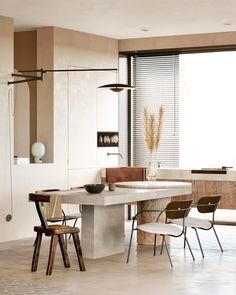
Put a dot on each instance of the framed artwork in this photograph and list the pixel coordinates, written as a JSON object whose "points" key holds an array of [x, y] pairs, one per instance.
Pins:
{"points": [[105, 139]]}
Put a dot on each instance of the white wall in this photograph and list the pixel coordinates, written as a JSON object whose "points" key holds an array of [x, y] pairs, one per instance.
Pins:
{"points": [[89, 109]]}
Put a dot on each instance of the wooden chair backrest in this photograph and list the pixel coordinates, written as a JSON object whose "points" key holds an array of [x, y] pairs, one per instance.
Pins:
{"points": [[208, 204], [39, 199], [178, 209]]}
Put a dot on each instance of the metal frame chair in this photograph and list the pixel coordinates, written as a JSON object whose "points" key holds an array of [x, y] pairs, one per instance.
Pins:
{"points": [[175, 209], [204, 205]]}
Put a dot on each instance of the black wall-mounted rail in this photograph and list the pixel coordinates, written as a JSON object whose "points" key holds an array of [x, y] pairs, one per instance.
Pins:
{"points": [[29, 78]]}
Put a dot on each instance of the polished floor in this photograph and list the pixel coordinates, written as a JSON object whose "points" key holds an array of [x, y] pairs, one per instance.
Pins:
{"points": [[145, 274]]}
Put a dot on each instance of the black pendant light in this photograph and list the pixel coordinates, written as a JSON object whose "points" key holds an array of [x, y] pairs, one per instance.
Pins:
{"points": [[117, 87]]}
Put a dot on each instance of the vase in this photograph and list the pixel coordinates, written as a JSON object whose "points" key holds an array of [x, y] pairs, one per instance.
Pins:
{"points": [[152, 169]]}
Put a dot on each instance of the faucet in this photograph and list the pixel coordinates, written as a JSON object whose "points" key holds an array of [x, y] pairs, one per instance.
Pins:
{"points": [[115, 154]]}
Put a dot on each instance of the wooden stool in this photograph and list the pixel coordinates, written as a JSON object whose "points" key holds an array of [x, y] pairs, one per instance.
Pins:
{"points": [[57, 233]]}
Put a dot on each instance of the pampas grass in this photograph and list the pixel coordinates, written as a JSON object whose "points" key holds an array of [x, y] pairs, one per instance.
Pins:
{"points": [[153, 126]]}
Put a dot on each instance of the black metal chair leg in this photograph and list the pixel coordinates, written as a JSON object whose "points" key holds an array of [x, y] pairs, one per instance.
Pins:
{"points": [[130, 241], [154, 246], [185, 233], [129, 212], [218, 239], [190, 249], [168, 252], [199, 243], [162, 244], [73, 226]]}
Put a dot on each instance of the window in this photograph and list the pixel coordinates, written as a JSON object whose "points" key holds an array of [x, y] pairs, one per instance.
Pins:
{"points": [[156, 82], [207, 109], [198, 93]]}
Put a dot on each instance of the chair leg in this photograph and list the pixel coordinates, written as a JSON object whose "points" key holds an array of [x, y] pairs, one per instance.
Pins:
{"points": [[167, 251], [218, 239], [37, 246], [52, 252], [130, 241], [154, 246], [190, 249], [78, 251], [63, 251], [162, 244], [73, 226], [129, 212], [185, 233], [199, 243]]}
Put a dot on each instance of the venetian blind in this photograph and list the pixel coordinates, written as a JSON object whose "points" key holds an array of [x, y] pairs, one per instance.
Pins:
{"points": [[156, 79]]}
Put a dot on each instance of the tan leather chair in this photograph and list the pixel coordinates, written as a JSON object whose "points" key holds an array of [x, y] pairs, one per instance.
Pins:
{"points": [[120, 174]]}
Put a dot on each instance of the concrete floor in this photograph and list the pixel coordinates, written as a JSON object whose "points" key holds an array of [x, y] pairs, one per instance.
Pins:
{"points": [[145, 274]]}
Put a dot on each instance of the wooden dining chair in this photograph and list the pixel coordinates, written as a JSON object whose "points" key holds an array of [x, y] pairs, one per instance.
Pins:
{"points": [[56, 232], [62, 217]]}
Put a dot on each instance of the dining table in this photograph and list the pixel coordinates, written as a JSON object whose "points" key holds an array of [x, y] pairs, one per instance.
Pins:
{"points": [[103, 218]]}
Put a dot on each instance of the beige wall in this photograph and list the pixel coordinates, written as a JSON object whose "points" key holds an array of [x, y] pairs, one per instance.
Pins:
{"points": [[178, 42], [25, 58], [45, 111], [21, 121]]}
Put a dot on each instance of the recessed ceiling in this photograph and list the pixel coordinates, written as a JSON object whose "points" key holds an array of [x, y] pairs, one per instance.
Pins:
{"points": [[122, 19]]}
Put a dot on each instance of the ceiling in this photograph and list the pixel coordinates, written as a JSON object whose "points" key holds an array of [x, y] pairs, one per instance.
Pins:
{"points": [[122, 19]]}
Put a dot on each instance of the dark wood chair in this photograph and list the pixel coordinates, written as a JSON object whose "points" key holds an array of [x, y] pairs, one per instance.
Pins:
{"points": [[56, 232], [64, 217]]}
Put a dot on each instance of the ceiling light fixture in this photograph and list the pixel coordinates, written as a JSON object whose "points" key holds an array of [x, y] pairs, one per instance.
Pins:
{"points": [[144, 29], [116, 87], [227, 23]]}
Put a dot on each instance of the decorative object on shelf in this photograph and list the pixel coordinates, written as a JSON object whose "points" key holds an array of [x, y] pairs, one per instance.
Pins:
{"points": [[106, 139], [94, 188], [38, 151], [153, 127]]}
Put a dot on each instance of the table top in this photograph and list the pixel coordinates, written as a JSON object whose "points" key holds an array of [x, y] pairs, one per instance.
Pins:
{"points": [[151, 184], [122, 195]]}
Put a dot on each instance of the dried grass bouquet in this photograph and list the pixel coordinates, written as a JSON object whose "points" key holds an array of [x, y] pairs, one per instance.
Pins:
{"points": [[153, 126]]}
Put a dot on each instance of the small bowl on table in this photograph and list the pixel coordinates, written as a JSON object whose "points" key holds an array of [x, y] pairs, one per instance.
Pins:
{"points": [[94, 188]]}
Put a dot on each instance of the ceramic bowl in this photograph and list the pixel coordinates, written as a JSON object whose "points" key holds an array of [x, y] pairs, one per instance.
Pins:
{"points": [[94, 188]]}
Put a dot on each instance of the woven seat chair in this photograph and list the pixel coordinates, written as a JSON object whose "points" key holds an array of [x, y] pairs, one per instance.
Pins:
{"points": [[56, 232], [63, 217]]}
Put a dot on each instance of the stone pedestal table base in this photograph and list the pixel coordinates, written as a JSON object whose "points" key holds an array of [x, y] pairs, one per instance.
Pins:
{"points": [[102, 230]]}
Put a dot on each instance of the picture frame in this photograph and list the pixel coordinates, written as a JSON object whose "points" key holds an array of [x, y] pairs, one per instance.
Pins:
{"points": [[107, 139]]}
